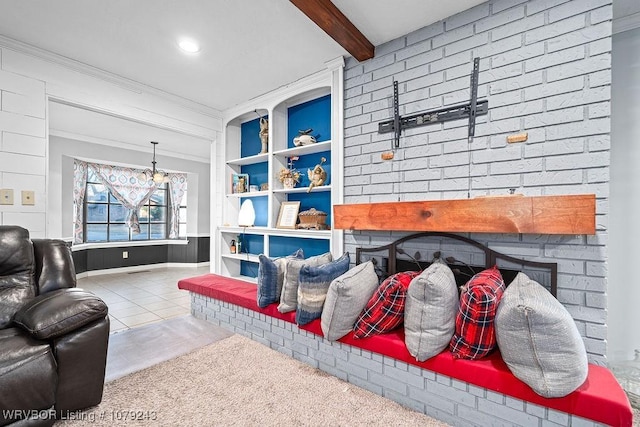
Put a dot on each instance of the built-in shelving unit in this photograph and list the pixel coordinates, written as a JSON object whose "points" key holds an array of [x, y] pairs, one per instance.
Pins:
{"points": [[314, 102], [318, 147], [249, 194], [303, 189], [251, 160]]}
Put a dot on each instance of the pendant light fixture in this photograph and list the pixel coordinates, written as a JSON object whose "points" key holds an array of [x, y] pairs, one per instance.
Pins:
{"points": [[154, 174]]}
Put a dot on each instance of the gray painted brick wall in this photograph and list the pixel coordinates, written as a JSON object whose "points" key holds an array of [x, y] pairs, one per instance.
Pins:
{"points": [[545, 69], [452, 401]]}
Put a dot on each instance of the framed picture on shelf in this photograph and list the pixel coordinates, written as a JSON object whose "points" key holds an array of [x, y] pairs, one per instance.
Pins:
{"points": [[288, 215], [239, 183]]}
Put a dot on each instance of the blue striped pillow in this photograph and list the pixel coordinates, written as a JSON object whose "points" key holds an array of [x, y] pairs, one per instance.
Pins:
{"points": [[313, 284], [271, 277]]}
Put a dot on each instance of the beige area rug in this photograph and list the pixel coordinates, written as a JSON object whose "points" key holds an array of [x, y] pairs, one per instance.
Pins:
{"points": [[236, 381]]}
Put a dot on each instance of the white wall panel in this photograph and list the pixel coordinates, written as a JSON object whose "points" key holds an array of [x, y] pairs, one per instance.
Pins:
{"points": [[23, 144], [19, 123], [16, 83], [24, 182], [22, 164], [34, 222], [24, 104], [23, 147]]}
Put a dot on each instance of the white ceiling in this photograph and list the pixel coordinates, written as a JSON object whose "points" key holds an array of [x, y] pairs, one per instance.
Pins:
{"points": [[249, 47]]}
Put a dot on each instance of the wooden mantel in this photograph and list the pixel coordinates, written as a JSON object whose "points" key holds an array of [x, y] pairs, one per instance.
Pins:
{"points": [[570, 214]]}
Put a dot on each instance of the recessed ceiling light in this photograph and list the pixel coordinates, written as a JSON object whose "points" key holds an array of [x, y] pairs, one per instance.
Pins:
{"points": [[189, 46]]}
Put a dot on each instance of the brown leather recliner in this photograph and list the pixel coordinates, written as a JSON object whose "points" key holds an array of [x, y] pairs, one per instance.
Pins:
{"points": [[53, 336]]}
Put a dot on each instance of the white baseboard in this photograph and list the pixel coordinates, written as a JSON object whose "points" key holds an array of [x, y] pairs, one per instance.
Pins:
{"points": [[138, 268]]}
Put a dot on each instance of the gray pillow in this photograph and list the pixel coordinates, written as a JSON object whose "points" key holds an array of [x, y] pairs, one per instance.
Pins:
{"points": [[346, 297], [289, 295], [539, 340], [430, 311]]}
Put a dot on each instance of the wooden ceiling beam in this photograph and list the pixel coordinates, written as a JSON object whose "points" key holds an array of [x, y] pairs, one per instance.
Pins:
{"points": [[328, 17]]}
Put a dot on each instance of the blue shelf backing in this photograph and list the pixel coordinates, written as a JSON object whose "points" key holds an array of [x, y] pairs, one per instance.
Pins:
{"points": [[283, 246], [314, 114], [249, 269], [251, 243], [319, 200], [258, 173], [250, 144], [309, 161], [261, 207]]}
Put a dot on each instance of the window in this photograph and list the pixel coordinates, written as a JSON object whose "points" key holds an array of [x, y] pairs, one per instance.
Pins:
{"points": [[106, 218], [182, 224]]}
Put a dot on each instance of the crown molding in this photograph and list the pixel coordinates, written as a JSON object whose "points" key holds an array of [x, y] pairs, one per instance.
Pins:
{"points": [[335, 63], [125, 146], [626, 23], [160, 125], [106, 76]]}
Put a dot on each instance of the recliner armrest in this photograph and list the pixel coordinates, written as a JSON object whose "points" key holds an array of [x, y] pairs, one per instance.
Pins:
{"points": [[57, 313], [54, 265]]}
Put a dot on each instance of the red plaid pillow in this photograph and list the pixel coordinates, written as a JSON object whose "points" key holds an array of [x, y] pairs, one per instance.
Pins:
{"points": [[385, 309], [475, 334]]}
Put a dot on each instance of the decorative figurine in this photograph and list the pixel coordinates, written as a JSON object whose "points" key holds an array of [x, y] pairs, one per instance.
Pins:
{"points": [[313, 219], [289, 176], [304, 138], [242, 185], [264, 134], [317, 175]]}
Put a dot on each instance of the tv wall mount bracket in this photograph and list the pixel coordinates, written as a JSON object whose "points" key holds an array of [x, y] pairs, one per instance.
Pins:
{"points": [[469, 110]]}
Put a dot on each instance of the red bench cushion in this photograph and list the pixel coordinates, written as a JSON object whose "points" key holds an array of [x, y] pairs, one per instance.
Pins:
{"points": [[600, 398]]}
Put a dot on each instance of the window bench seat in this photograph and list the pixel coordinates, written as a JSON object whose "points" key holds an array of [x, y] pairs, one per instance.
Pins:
{"points": [[599, 400]]}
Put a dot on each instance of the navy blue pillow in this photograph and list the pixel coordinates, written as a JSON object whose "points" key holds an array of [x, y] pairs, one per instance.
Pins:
{"points": [[313, 284], [271, 277]]}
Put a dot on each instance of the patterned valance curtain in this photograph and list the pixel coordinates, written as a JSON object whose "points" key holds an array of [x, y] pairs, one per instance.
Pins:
{"points": [[177, 188], [129, 186], [79, 190]]}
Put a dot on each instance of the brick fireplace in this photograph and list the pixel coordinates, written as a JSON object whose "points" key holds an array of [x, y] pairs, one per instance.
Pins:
{"points": [[545, 69]]}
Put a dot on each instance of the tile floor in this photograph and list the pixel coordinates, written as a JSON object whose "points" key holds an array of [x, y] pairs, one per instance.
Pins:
{"points": [[142, 297], [137, 348]]}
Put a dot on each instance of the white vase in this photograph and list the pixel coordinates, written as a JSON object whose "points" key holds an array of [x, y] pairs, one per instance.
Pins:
{"points": [[288, 183]]}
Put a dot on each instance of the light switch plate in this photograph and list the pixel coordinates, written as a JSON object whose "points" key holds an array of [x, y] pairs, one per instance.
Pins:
{"points": [[6, 196], [28, 197]]}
